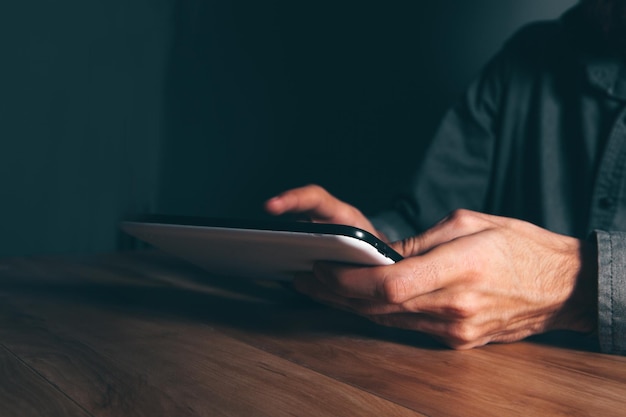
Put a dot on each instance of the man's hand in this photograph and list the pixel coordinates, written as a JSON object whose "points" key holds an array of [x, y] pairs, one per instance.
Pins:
{"points": [[319, 206], [470, 280]]}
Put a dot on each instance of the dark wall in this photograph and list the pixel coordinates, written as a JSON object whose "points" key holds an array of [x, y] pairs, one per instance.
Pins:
{"points": [[81, 114], [109, 108], [264, 96]]}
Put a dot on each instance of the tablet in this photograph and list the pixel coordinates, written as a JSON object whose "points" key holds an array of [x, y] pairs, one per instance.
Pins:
{"points": [[260, 249]]}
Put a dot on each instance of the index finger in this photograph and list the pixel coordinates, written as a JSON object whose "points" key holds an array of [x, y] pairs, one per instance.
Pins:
{"points": [[310, 199]]}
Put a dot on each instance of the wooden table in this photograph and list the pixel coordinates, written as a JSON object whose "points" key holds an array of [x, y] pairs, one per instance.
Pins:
{"points": [[142, 334]]}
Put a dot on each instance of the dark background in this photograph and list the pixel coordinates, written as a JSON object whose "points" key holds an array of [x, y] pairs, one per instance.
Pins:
{"points": [[208, 107]]}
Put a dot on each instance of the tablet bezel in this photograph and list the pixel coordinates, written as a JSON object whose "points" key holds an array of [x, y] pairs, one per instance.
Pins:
{"points": [[154, 229]]}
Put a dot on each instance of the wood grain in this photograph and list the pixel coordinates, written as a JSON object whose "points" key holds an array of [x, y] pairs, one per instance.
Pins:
{"points": [[493, 381], [23, 392], [144, 334], [413, 371], [116, 363]]}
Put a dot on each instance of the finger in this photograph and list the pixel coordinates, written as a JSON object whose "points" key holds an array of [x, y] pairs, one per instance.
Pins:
{"points": [[391, 284], [407, 279], [308, 285], [319, 206], [314, 288], [443, 304], [457, 224], [458, 335], [311, 199], [351, 281]]}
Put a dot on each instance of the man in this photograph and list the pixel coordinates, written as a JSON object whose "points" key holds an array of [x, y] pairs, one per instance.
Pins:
{"points": [[531, 164]]}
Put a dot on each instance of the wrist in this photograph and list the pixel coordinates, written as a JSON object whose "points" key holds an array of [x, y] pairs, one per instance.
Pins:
{"points": [[580, 310]]}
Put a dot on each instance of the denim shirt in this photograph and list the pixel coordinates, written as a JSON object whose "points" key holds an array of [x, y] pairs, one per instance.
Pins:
{"points": [[540, 136]]}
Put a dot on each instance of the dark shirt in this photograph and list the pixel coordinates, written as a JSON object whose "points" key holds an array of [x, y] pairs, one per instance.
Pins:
{"points": [[539, 136]]}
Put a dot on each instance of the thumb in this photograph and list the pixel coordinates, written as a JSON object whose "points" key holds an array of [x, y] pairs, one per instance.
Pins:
{"points": [[411, 246], [459, 223]]}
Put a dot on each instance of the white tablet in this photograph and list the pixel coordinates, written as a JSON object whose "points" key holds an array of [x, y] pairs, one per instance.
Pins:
{"points": [[260, 249]]}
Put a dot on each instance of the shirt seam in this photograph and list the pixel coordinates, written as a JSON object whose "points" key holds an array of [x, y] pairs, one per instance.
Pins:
{"points": [[611, 274]]}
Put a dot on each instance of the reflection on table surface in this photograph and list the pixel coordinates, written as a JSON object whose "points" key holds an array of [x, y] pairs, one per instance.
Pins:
{"points": [[141, 333]]}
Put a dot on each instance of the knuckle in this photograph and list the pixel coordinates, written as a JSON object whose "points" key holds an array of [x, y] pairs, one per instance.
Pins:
{"points": [[315, 188], [462, 335], [402, 246], [461, 218], [314, 191], [354, 212], [395, 289], [345, 213], [462, 306], [411, 245], [461, 346]]}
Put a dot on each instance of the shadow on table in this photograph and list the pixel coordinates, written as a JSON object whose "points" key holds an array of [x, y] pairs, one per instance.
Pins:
{"points": [[161, 286]]}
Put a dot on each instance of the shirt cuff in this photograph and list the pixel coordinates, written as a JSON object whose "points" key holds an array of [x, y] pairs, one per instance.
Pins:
{"points": [[612, 291]]}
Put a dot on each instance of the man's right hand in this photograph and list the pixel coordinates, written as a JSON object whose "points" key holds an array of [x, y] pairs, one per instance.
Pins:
{"points": [[319, 206]]}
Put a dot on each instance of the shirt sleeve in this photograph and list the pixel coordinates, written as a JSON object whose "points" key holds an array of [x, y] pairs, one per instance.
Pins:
{"points": [[612, 291], [456, 169]]}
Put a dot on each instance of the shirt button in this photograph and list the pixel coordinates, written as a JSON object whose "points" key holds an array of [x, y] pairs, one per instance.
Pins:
{"points": [[606, 202]]}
